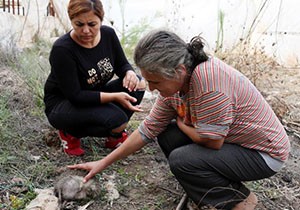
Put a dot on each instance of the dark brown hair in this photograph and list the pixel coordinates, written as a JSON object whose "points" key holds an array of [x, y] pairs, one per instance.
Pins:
{"points": [[78, 7]]}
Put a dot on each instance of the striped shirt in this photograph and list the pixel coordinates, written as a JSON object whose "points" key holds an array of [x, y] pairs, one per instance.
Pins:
{"points": [[222, 103]]}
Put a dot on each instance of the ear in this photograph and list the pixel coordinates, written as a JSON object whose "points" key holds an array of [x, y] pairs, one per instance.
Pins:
{"points": [[181, 70]]}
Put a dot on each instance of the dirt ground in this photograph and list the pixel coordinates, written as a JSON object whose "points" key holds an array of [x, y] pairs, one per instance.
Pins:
{"points": [[143, 181]]}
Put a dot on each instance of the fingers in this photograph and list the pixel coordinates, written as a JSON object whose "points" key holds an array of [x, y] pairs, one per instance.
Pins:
{"points": [[88, 177], [78, 166], [132, 99], [74, 166], [132, 86], [131, 82], [136, 108]]}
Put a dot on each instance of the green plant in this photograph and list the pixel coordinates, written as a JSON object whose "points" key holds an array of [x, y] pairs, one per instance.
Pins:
{"points": [[220, 35], [8, 51], [33, 67], [5, 116], [5, 113], [130, 38], [20, 201]]}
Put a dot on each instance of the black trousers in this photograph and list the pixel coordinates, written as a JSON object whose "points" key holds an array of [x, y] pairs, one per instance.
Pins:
{"points": [[212, 177], [96, 121]]}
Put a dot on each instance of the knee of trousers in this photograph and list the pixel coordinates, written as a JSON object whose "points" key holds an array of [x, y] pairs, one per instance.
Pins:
{"points": [[179, 162], [116, 120], [185, 163]]}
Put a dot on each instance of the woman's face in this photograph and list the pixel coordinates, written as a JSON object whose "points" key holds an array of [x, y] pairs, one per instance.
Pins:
{"points": [[86, 27], [166, 87]]}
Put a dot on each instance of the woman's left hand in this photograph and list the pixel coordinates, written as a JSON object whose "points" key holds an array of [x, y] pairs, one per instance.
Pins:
{"points": [[131, 81]]}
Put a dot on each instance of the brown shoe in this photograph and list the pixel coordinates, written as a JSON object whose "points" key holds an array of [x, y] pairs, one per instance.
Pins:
{"points": [[248, 204]]}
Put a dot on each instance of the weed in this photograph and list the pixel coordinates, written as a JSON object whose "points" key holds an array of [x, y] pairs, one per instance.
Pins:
{"points": [[131, 37], [9, 52], [33, 68], [20, 202], [220, 35], [5, 115]]}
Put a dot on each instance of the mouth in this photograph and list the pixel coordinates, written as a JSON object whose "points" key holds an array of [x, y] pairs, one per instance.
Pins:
{"points": [[86, 37]]}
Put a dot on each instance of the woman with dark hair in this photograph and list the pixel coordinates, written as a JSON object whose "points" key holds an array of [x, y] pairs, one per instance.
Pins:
{"points": [[81, 98], [213, 125]]}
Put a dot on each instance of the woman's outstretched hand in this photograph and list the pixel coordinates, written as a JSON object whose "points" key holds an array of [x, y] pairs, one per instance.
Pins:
{"points": [[131, 145], [93, 168]]}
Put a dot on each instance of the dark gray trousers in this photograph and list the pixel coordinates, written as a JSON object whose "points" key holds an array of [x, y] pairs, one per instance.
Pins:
{"points": [[212, 177]]}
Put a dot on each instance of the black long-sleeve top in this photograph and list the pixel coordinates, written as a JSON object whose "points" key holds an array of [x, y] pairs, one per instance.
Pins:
{"points": [[78, 73]]}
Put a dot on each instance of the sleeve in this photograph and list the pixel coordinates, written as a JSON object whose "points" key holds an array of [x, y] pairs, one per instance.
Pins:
{"points": [[213, 113], [158, 119], [121, 63], [64, 67]]}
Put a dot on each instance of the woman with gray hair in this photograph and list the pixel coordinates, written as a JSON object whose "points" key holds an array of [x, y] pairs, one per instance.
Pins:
{"points": [[213, 125]]}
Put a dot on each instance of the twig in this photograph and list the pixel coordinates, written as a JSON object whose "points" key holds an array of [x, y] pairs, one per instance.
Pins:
{"points": [[294, 123], [86, 205], [183, 202], [171, 191], [293, 131]]}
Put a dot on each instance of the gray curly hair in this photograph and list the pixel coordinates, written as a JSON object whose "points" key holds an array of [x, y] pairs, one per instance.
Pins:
{"points": [[162, 51]]}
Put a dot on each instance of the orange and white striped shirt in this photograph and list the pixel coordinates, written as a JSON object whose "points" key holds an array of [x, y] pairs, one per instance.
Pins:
{"points": [[222, 102]]}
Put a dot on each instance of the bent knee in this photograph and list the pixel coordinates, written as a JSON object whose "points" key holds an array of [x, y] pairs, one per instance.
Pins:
{"points": [[178, 160], [120, 128], [187, 158]]}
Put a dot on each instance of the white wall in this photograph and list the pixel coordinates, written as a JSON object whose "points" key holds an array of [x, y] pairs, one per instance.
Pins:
{"points": [[278, 22]]}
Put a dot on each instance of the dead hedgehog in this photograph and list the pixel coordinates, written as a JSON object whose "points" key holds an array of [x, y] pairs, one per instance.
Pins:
{"points": [[70, 187]]}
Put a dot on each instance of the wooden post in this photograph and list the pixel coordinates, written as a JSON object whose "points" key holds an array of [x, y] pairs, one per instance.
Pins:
{"points": [[18, 3], [13, 6], [3, 5]]}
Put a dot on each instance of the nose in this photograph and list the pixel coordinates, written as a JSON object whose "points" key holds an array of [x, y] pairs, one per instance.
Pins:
{"points": [[86, 29], [151, 87]]}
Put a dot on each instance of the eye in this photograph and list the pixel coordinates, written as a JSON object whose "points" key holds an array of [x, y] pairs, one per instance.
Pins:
{"points": [[92, 24], [79, 24], [153, 82]]}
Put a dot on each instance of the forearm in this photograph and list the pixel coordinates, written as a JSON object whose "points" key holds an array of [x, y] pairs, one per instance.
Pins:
{"points": [[132, 144], [192, 133], [107, 97]]}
